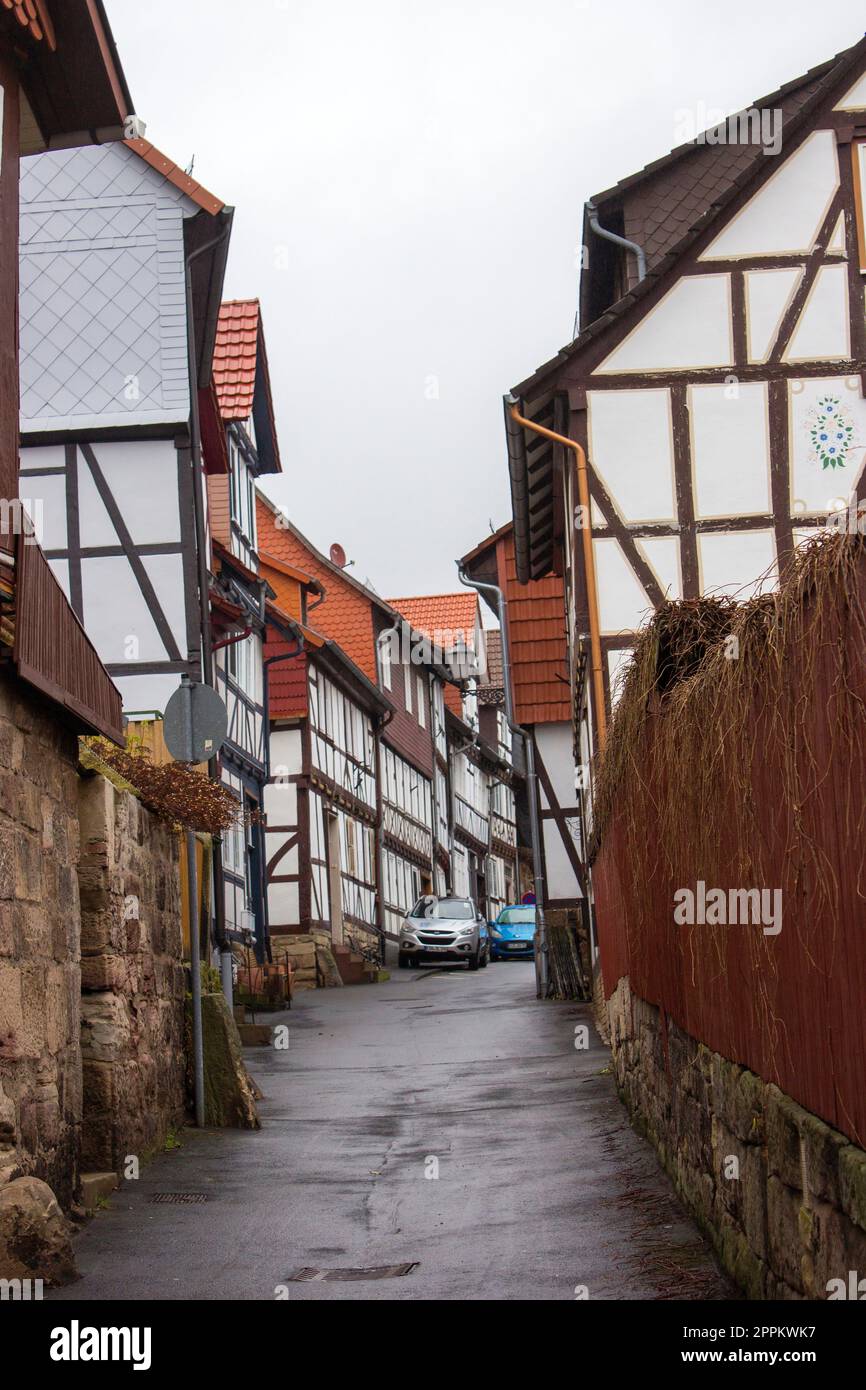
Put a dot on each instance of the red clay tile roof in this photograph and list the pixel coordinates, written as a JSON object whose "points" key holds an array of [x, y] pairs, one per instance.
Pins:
{"points": [[447, 620], [33, 16], [537, 632], [235, 357], [175, 175], [493, 645], [345, 614], [240, 360], [287, 680], [445, 614]]}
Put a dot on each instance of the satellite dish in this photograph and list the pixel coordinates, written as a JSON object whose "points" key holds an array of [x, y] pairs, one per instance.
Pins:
{"points": [[338, 555]]}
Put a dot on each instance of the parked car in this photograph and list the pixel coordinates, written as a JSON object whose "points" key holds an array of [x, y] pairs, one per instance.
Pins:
{"points": [[512, 935], [444, 929]]}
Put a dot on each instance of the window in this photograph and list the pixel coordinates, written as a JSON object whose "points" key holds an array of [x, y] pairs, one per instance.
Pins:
{"points": [[407, 687], [420, 693], [385, 660], [242, 493]]}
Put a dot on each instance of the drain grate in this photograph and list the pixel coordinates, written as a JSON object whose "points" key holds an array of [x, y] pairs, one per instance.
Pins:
{"points": [[338, 1276], [179, 1199]]}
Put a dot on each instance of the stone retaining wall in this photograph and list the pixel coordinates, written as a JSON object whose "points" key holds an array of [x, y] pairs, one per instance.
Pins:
{"points": [[91, 982], [40, 983], [780, 1194], [132, 979]]}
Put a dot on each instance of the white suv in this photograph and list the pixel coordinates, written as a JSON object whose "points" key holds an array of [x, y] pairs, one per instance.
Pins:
{"points": [[444, 929]]}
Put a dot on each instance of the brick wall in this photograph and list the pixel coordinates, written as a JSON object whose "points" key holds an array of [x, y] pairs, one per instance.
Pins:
{"points": [[40, 1064]]}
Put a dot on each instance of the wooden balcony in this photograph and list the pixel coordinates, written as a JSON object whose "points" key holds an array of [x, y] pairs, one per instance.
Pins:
{"points": [[53, 652]]}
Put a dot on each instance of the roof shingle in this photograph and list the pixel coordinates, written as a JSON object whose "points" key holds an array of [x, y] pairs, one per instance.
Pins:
{"points": [[236, 356]]}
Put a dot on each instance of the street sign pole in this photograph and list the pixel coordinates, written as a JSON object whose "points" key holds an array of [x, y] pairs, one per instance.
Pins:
{"points": [[194, 926], [195, 971], [195, 726]]}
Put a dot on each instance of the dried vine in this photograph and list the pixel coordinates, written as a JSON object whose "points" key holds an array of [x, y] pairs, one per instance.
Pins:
{"points": [[177, 793], [736, 754]]}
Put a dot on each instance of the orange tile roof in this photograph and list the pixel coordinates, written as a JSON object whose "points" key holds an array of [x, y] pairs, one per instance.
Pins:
{"points": [[175, 175], [429, 614], [537, 642], [493, 644], [32, 15], [291, 571], [345, 614], [235, 357], [447, 620]]}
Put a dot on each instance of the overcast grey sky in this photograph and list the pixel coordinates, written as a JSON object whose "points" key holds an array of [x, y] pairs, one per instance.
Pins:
{"points": [[408, 181]]}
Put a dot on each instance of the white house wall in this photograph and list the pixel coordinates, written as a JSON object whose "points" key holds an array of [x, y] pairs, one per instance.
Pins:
{"points": [[689, 327], [730, 449], [280, 804], [554, 745], [125, 563], [727, 414], [784, 216]]}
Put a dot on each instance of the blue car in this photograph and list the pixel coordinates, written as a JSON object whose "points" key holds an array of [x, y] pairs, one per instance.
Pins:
{"points": [[512, 935]]}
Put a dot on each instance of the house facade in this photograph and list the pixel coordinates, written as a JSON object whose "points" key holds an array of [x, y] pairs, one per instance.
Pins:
{"points": [[507, 837], [41, 638], [719, 398], [322, 798], [394, 659], [538, 659], [473, 762], [115, 306], [239, 593]]}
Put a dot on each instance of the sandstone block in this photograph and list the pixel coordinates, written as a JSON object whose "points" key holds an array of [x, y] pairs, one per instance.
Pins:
{"points": [[34, 1236]]}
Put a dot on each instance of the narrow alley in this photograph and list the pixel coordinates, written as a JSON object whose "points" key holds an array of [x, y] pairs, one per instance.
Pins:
{"points": [[542, 1186]]}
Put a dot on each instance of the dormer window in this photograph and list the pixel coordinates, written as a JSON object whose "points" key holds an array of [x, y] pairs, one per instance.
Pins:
{"points": [[242, 494]]}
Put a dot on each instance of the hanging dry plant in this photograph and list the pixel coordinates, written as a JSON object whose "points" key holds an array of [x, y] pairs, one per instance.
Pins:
{"points": [[736, 755], [177, 793]]}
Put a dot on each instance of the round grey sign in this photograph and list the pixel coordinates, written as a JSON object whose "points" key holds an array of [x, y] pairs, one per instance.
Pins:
{"points": [[196, 723]]}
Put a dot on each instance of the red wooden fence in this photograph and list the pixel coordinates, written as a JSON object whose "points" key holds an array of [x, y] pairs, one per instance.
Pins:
{"points": [[791, 1007]]}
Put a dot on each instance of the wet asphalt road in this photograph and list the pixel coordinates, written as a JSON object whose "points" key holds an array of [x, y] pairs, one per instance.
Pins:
{"points": [[542, 1185]]}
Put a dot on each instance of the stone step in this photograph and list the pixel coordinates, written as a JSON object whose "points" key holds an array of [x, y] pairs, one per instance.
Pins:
{"points": [[94, 1186], [255, 1034]]}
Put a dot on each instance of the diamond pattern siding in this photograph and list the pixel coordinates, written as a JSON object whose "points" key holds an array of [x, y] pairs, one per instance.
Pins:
{"points": [[103, 322]]}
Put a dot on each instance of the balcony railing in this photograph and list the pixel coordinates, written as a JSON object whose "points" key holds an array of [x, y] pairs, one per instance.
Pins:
{"points": [[470, 819]]}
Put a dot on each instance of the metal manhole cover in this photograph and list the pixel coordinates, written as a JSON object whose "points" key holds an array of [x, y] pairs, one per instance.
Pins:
{"points": [[179, 1199], [337, 1276]]}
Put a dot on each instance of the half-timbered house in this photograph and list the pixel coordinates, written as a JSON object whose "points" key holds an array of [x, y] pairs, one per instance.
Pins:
{"points": [[451, 625], [716, 384], [44, 50], [538, 665], [410, 674], [239, 593], [122, 260], [322, 803], [504, 782], [472, 753]]}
